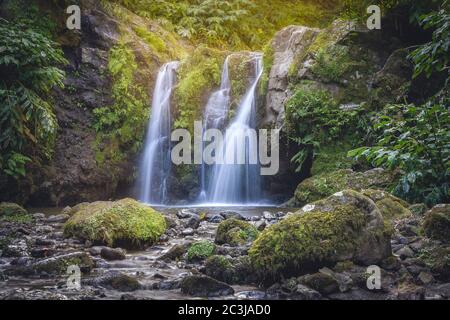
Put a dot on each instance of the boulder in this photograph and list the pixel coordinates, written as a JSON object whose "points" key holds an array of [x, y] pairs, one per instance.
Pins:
{"points": [[117, 281], [220, 268], [324, 185], [113, 254], [176, 252], [204, 286], [345, 226], [59, 264], [235, 232], [125, 223], [390, 206], [437, 223]]}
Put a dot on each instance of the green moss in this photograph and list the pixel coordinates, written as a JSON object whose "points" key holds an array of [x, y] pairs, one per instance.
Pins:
{"points": [[59, 264], [12, 212], [332, 157], [235, 232], [120, 126], [200, 250], [326, 184], [156, 44], [321, 186], [125, 223], [437, 223], [307, 241], [198, 75], [268, 59], [240, 71], [390, 206], [220, 268], [332, 63], [438, 260]]}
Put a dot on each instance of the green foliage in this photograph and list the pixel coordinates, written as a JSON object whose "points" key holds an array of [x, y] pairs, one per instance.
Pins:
{"points": [[268, 59], [240, 24], [153, 40], [313, 118], [28, 63], [417, 141], [332, 63], [198, 74], [434, 56], [121, 124], [200, 250]]}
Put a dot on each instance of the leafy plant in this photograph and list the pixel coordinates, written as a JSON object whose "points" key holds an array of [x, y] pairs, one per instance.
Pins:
{"points": [[434, 56], [28, 63], [415, 140], [313, 118]]}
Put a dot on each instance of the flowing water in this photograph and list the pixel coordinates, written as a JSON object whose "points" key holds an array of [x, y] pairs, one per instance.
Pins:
{"points": [[216, 113], [156, 162], [239, 183]]}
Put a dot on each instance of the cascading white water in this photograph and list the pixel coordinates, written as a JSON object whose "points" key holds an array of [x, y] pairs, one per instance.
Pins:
{"points": [[239, 183], [156, 163], [216, 112]]}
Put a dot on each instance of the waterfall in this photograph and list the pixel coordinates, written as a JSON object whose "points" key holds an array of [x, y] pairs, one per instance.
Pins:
{"points": [[239, 183], [156, 163], [216, 112]]}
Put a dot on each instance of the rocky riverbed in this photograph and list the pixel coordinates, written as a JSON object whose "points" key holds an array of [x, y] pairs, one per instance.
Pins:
{"points": [[204, 252]]}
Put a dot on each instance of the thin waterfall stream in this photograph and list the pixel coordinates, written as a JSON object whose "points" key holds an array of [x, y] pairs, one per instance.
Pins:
{"points": [[156, 162]]}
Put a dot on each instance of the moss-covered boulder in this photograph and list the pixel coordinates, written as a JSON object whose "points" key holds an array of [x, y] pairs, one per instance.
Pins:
{"points": [[14, 213], [200, 250], [204, 286], [235, 232], [324, 185], [437, 258], [437, 223], [321, 282], [59, 264], [345, 226], [126, 223], [390, 206], [220, 268]]}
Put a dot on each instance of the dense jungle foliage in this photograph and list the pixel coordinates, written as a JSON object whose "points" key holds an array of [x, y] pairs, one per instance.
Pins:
{"points": [[412, 136]]}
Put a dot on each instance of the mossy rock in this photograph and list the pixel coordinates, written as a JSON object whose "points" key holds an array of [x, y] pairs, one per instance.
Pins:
{"points": [[12, 212], [321, 282], [438, 260], [324, 185], [437, 223], [125, 223], [345, 226], [200, 250], [235, 232], [220, 268], [390, 206], [204, 286], [59, 264]]}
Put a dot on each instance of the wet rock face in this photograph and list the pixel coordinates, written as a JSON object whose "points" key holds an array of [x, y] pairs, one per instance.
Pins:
{"points": [[288, 45]]}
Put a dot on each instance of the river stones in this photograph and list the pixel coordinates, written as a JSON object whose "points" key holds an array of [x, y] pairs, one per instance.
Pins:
{"points": [[204, 286]]}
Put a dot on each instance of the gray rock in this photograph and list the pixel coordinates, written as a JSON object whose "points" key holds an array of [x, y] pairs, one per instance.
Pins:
{"points": [[204, 286], [187, 232], [192, 222], [304, 293], [405, 252], [113, 253], [425, 277], [58, 218]]}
